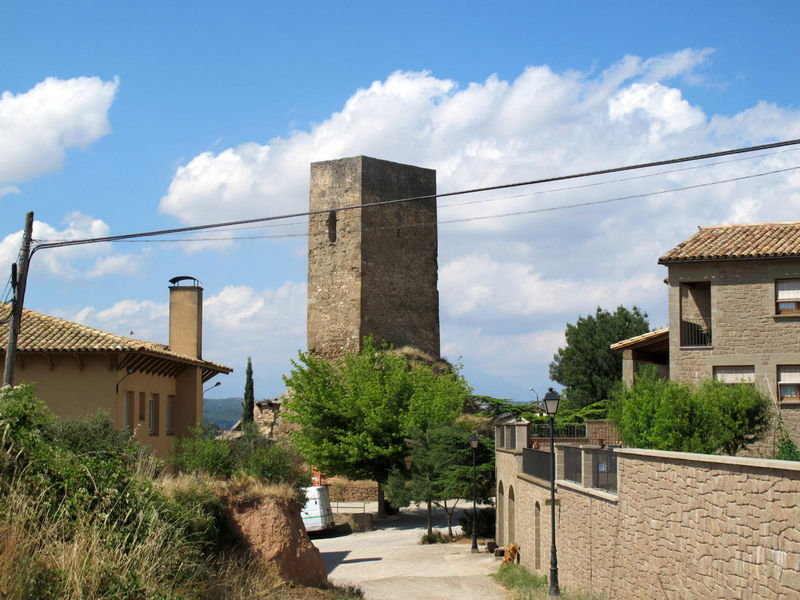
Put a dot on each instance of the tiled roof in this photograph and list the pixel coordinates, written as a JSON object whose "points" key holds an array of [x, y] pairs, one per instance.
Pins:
{"points": [[644, 339], [43, 333], [763, 240]]}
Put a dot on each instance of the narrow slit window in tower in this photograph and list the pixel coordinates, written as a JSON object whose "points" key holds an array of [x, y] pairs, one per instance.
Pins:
{"points": [[332, 226]]}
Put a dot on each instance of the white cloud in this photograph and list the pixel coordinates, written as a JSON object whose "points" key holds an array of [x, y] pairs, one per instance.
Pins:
{"points": [[244, 309], [9, 189], [37, 127], [480, 286], [71, 262]]}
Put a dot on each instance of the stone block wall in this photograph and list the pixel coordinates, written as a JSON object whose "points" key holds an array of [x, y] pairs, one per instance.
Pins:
{"points": [[680, 526], [372, 270], [345, 490]]}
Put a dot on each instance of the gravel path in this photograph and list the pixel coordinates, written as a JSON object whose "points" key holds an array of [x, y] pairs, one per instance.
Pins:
{"points": [[389, 563]]}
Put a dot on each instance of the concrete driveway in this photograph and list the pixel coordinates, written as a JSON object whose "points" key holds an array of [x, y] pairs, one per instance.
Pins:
{"points": [[389, 563]]}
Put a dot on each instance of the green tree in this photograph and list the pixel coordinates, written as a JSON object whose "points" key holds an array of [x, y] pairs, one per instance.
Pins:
{"points": [[354, 413], [249, 403], [440, 470], [587, 367], [666, 415]]}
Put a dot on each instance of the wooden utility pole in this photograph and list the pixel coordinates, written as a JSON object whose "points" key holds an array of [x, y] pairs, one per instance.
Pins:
{"points": [[19, 277]]}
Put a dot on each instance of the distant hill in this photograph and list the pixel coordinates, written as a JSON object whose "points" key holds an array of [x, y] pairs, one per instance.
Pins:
{"points": [[222, 411]]}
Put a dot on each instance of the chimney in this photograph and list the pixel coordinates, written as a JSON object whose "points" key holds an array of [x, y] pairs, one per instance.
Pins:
{"points": [[186, 317]]}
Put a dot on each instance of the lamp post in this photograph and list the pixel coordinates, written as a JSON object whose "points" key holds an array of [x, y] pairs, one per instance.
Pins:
{"points": [[551, 399], [473, 442]]}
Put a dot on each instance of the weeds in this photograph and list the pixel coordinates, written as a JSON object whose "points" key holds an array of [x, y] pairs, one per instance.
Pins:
{"points": [[524, 585]]}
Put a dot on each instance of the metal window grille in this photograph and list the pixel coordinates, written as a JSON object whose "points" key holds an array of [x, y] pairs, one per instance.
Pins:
{"points": [[501, 436], [695, 332]]}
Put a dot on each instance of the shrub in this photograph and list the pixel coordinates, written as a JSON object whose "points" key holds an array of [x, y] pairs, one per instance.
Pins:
{"points": [[201, 452], [486, 522], [435, 537], [787, 450], [666, 415]]}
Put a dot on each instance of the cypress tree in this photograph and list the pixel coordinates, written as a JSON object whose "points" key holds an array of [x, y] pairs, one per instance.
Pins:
{"points": [[249, 397]]}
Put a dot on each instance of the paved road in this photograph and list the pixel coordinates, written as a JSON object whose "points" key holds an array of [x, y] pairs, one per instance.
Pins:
{"points": [[389, 563]]}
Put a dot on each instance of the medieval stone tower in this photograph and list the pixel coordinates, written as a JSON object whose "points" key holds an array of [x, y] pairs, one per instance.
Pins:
{"points": [[372, 270]]}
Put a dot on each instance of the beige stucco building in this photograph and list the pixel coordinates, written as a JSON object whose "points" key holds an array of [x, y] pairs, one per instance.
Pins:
{"points": [[734, 313], [154, 390]]}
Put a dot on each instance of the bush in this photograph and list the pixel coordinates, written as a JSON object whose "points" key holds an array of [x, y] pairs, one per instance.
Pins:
{"points": [[666, 415], [787, 450], [435, 537], [201, 452], [486, 522]]}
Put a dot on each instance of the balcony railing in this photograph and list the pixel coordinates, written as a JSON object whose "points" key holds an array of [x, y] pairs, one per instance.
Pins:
{"points": [[572, 463], [536, 463], [560, 430], [695, 332], [604, 472]]}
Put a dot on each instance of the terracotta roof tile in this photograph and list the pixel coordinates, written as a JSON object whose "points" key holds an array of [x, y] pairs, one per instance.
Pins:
{"points": [[726, 242], [43, 333]]}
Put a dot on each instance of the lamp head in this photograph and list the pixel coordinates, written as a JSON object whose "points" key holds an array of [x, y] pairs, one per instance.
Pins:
{"points": [[551, 400], [473, 441]]}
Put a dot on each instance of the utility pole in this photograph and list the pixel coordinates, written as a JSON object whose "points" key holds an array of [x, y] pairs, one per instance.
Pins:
{"points": [[19, 277]]}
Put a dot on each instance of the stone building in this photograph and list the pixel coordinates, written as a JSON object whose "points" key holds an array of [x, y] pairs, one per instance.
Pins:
{"points": [[372, 267], [734, 313], [153, 390]]}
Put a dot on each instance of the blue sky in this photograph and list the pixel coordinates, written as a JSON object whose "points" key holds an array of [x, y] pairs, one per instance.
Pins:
{"points": [[118, 117]]}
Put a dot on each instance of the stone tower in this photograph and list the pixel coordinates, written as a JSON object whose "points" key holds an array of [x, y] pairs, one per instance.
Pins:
{"points": [[372, 270]]}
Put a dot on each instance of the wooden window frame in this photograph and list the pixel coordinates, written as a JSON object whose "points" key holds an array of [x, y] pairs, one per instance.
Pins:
{"points": [[793, 305]]}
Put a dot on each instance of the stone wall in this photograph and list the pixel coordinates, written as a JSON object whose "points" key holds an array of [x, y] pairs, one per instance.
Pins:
{"points": [[680, 526], [372, 270], [345, 490]]}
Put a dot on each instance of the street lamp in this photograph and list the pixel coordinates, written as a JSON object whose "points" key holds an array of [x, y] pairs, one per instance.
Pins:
{"points": [[473, 442], [551, 399], [212, 387]]}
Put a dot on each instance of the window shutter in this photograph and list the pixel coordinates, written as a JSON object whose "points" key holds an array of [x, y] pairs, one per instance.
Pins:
{"points": [[787, 289], [789, 374], [736, 374]]}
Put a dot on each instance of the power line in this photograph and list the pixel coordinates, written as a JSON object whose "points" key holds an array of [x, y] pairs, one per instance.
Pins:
{"points": [[485, 217], [672, 161]]}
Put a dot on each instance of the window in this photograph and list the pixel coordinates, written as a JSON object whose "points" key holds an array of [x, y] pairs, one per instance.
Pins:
{"points": [[332, 226], [736, 374], [789, 383], [170, 427], [127, 411], [154, 414], [787, 296], [142, 397]]}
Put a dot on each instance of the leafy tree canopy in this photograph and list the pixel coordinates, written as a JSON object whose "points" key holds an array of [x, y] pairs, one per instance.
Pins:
{"points": [[587, 367], [354, 413], [666, 415], [441, 470]]}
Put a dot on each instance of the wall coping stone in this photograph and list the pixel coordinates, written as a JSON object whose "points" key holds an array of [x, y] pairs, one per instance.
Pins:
{"points": [[508, 451], [742, 461], [534, 480], [577, 487]]}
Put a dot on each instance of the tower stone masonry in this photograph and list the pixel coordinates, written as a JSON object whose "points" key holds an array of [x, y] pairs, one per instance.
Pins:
{"points": [[372, 270]]}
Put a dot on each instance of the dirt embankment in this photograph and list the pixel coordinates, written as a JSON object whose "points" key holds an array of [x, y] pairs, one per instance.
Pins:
{"points": [[273, 530]]}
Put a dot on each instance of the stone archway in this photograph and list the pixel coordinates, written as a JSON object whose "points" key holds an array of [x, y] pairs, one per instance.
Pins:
{"points": [[500, 513], [512, 536]]}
